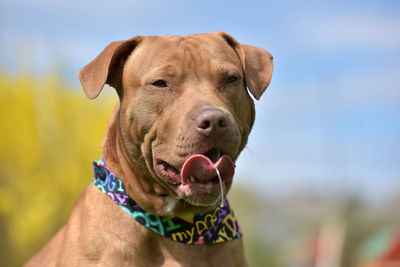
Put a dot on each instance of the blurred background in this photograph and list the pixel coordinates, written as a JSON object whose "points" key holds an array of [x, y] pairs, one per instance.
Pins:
{"points": [[318, 183]]}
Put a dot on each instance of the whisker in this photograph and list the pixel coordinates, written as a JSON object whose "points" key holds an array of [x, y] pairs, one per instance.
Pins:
{"points": [[252, 155]]}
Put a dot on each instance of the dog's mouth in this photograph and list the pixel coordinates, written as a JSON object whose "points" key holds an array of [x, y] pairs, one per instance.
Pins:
{"points": [[197, 180]]}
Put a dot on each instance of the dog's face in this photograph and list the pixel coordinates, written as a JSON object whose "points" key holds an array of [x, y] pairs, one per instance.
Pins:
{"points": [[185, 111]]}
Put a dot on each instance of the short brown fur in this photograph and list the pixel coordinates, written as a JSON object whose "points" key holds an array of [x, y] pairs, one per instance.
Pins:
{"points": [[154, 122]]}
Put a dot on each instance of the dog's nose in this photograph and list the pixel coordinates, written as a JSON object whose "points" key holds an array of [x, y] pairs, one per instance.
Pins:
{"points": [[211, 122]]}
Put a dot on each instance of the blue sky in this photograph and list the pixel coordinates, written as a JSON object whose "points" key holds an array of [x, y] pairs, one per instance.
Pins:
{"points": [[329, 121]]}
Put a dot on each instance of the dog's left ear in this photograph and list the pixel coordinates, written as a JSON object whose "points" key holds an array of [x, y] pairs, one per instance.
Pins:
{"points": [[257, 64], [106, 68]]}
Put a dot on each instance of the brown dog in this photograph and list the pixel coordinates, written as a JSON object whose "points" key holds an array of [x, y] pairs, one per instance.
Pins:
{"points": [[183, 101]]}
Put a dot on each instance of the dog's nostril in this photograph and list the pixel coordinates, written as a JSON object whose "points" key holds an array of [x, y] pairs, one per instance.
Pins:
{"points": [[222, 123], [205, 124]]}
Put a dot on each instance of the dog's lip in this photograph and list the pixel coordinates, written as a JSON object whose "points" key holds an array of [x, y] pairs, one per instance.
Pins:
{"points": [[198, 192], [172, 174], [201, 191], [168, 172]]}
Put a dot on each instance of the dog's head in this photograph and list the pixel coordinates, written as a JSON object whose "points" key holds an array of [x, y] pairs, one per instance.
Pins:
{"points": [[184, 112]]}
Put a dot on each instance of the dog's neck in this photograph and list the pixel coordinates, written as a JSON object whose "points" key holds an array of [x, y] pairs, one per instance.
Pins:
{"points": [[216, 226]]}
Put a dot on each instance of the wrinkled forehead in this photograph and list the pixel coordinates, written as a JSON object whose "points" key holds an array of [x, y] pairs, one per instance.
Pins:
{"points": [[201, 52]]}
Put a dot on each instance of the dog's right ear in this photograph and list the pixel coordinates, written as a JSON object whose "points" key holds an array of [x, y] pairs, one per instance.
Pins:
{"points": [[106, 68]]}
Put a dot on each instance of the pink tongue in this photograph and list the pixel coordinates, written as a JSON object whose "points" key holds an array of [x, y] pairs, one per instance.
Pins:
{"points": [[203, 169]]}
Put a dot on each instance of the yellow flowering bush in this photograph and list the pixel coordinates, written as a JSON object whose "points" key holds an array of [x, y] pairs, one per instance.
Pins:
{"points": [[49, 134]]}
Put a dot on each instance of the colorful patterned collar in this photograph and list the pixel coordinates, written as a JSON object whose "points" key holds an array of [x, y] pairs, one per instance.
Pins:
{"points": [[212, 227]]}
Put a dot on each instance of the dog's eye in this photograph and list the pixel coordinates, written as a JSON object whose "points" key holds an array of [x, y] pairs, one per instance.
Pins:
{"points": [[159, 83], [232, 79]]}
